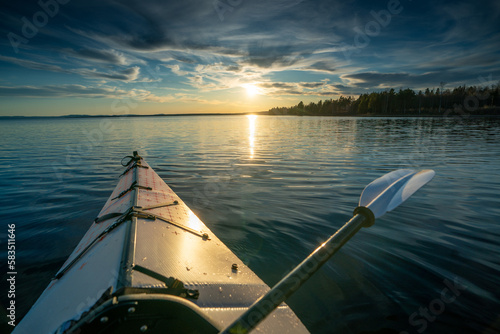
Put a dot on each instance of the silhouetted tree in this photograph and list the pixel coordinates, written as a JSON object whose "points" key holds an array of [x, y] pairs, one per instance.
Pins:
{"points": [[473, 99]]}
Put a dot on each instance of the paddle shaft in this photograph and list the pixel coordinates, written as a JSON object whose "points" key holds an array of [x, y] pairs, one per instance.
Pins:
{"points": [[291, 282]]}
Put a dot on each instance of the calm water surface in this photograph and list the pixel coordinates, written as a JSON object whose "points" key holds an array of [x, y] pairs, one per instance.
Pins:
{"points": [[273, 188]]}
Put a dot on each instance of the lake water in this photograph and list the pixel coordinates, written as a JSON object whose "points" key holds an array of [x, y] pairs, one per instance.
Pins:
{"points": [[273, 188]]}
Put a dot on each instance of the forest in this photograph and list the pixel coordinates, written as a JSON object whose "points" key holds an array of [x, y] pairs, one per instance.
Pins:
{"points": [[462, 100]]}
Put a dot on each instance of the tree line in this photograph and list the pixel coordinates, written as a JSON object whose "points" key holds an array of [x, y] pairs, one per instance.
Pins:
{"points": [[471, 100]]}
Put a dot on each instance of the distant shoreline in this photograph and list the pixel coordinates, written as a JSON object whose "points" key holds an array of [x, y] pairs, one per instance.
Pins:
{"points": [[137, 115], [260, 113]]}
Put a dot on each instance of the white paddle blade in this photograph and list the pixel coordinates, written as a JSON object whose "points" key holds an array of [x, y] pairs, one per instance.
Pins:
{"points": [[386, 193], [377, 187], [416, 182]]}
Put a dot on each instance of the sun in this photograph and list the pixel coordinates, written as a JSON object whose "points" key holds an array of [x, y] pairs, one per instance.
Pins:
{"points": [[251, 89]]}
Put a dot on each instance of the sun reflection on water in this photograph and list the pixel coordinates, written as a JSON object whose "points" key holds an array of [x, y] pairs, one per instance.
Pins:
{"points": [[251, 133]]}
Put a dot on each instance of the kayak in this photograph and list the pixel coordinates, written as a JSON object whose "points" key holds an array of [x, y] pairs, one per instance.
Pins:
{"points": [[148, 264]]}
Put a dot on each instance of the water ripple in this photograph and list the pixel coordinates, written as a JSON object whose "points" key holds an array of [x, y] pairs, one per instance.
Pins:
{"points": [[273, 192]]}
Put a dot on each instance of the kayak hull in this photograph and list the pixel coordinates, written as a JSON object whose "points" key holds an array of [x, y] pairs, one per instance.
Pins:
{"points": [[147, 247]]}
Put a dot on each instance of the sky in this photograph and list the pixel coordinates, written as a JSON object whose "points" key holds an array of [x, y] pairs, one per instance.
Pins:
{"points": [[100, 57]]}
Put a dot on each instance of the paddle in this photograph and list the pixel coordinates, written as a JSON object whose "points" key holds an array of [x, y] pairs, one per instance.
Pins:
{"points": [[381, 196]]}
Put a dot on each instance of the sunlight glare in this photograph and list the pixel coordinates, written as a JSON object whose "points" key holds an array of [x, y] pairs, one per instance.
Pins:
{"points": [[251, 89], [251, 133]]}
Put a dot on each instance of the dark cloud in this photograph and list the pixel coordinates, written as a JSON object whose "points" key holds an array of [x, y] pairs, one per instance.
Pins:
{"points": [[267, 56], [312, 84], [233, 68], [150, 41], [374, 80], [291, 84], [276, 85], [346, 90], [128, 74], [183, 57], [105, 56], [322, 66]]}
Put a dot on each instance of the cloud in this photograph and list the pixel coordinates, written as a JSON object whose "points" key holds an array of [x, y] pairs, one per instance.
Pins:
{"points": [[322, 66], [233, 68], [375, 80], [61, 91], [215, 75], [468, 22], [312, 84], [176, 69], [105, 56], [128, 74], [180, 31], [190, 98], [299, 88], [271, 55], [33, 65], [80, 91]]}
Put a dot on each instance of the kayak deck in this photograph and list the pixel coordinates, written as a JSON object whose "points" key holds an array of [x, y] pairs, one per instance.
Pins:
{"points": [[149, 250]]}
